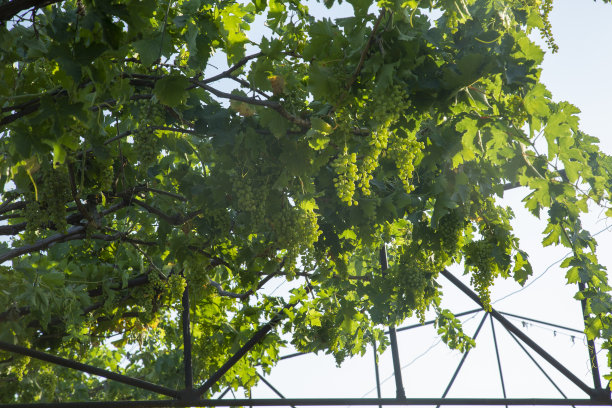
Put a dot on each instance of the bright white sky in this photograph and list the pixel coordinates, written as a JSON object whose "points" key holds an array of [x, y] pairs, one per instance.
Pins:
{"points": [[579, 73]]}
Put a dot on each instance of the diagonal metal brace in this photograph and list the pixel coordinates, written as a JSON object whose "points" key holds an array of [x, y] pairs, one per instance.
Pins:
{"points": [[273, 388], [253, 341], [86, 368], [516, 331]]}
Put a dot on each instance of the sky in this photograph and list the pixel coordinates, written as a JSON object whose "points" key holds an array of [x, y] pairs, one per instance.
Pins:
{"points": [[578, 73]]}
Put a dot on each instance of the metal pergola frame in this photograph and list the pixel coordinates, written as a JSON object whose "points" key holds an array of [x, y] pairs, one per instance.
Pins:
{"points": [[190, 396]]}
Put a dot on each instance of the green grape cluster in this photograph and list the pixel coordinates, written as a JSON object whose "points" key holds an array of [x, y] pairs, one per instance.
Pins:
{"points": [[384, 111], [478, 255], [295, 231], [417, 280], [48, 208], [33, 220], [285, 223], [146, 143], [346, 176], [418, 275], [516, 108], [221, 221], [243, 192], [19, 366], [369, 163], [251, 200], [47, 381], [546, 8], [389, 106], [176, 286], [107, 175], [449, 230], [404, 151], [308, 227], [149, 113], [149, 294]]}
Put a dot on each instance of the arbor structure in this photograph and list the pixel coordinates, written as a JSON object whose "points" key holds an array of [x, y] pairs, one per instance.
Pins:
{"points": [[359, 157]]}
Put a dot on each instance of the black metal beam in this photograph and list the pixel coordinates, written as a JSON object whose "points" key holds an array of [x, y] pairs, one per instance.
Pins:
{"points": [[288, 356], [542, 322], [273, 388], [376, 372], [187, 341], [397, 367], [228, 389], [86, 368], [528, 341], [463, 358], [313, 402], [253, 341], [499, 367]]}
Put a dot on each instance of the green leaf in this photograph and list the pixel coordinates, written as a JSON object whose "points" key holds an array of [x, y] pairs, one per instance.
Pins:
{"points": [[537, 100], [320, 125], [274, 121], [59, 154], [171, 90], [522, 268], [593, 327], [468, 152], [313, 317], [52, 279], [360, 6], [348, 234], [149, 49]]}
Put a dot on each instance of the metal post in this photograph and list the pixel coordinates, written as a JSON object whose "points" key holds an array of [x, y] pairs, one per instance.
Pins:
{"points": [[187, 362], [397, 368], [376, 370], [501, 375]]}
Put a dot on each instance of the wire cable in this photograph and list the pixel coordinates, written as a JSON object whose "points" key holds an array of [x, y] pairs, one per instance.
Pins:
{"points": [[534, 280], [415, 359]]}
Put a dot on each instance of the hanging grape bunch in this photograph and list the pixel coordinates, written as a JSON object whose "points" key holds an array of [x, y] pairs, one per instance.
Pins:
{"points": [[346, 176], [418, 275], [146, 143], [403, 147], [449, 230], [478, 256], [250, 198]]}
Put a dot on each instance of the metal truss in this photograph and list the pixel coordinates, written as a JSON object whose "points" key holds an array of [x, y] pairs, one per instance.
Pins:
{"points": [[191, 396]]}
